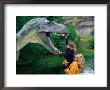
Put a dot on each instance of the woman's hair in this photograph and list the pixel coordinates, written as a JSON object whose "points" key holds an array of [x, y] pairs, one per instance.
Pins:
{"points": [[72, 45]]}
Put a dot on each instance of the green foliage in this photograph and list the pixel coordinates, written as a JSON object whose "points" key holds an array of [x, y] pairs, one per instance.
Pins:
{"points": [[58, 41], [78, 43], [47, 65], [72, 31], [56, 19], [91, 43], [31, 61]]}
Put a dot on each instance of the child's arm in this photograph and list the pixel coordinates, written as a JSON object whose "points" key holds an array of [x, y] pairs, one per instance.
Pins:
{"points": [[66, 51]]}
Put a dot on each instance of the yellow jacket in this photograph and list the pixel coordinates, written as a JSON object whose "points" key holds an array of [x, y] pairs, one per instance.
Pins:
{"points": [[73, 68]]}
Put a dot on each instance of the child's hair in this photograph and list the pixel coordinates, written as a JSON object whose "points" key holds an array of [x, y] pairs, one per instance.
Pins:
{"points": [[72, 45]]}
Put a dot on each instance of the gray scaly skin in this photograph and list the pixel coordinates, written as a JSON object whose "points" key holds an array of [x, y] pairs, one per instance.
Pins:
{"points": [[34, 31]]}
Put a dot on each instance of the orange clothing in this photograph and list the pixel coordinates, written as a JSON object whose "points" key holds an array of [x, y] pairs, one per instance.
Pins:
{"points": [[73, 68], [76, 66]]}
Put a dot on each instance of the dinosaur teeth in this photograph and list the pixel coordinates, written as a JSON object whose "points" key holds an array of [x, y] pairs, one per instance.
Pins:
{"points": [[61, 34]]}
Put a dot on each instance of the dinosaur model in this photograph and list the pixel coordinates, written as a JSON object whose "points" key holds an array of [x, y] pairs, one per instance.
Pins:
{"points": [[38, 30]]}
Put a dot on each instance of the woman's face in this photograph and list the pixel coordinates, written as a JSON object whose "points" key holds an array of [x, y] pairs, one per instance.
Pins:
{"points": [[77, 57]]}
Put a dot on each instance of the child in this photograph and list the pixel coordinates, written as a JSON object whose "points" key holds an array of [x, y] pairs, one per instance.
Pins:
{"points": [[69, 54]]}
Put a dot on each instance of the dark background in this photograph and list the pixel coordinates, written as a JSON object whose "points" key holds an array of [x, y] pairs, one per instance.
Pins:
{"points": [[57, 1], [2, 49]]}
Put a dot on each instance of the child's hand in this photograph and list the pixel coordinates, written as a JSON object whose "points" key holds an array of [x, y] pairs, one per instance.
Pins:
{"points": [[61, 53], [65, 63]]}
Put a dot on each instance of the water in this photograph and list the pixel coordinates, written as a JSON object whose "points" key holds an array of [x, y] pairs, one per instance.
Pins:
{"points": [[87, 71]]}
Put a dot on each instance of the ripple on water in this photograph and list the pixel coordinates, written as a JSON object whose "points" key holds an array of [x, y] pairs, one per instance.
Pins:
{"points": [[88, 71]]}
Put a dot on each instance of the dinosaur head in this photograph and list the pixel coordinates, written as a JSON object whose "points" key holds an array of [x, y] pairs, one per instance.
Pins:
{"points": [[38, 30], [44, 33]]}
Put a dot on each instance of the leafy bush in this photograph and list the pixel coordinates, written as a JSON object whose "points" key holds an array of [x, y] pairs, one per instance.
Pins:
{"points": [[72, 31], [91, 43]]}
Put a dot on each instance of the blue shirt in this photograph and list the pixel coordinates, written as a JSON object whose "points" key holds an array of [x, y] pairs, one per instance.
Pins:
{"points": [[69, 55]]}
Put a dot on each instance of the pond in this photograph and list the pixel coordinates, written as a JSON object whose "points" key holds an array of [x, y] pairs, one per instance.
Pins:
{"points": [[89, 67]]}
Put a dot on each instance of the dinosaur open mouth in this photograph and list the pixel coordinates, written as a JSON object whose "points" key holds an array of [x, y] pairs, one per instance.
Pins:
{"points": [[54, 42]]}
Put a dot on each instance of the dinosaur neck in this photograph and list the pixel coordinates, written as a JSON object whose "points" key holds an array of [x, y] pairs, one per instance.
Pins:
{"points": [[21, 43], [24, 39]]}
